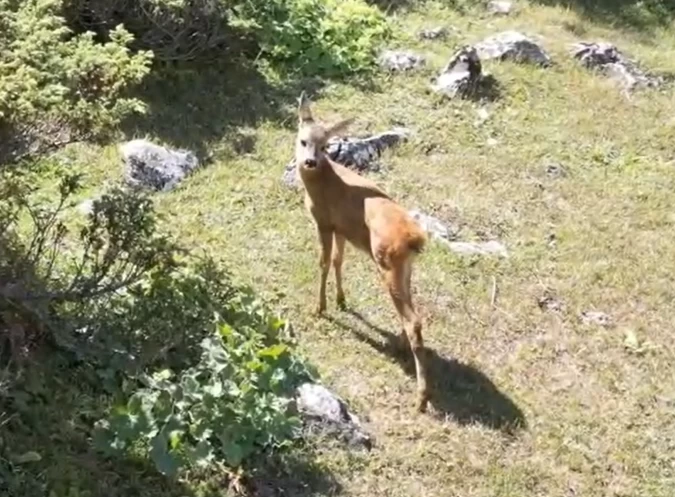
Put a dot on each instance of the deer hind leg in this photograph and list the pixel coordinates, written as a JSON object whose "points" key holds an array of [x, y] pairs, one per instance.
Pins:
{"points": [[338, 253], [326, 241], [398, 281]]}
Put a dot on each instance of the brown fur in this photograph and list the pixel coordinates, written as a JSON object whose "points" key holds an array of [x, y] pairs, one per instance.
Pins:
{"points": [[347, 206]]}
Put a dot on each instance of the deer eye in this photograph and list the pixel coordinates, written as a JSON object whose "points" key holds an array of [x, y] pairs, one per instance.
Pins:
{"points": [[303, 143]]}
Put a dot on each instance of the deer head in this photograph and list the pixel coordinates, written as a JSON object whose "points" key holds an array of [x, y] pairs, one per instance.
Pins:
{"points": [[310, 146]]}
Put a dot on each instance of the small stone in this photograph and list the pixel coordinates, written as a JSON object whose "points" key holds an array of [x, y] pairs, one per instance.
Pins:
{"points": [[500, 7], [483, 115], [631, 340], [492, 142], [514, 46], [555, 170], [438, 33], [324, 411], [392, 60], [434, 227], [155, 167], [492, 247], [596, 317], [550, 303], [446, 234]]}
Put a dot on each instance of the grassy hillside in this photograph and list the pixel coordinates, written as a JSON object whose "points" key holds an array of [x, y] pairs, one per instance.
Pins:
{"points": [[526, 401]]}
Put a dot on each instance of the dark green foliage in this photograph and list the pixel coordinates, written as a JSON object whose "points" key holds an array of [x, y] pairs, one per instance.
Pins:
{"points": [[315, 36], [331, 37], [230, 405], [122, 299], [68, 67], [47, 265], [56, 87]]}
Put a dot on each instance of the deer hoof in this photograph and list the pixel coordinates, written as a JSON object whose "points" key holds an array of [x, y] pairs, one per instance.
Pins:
{"points": [[341, 303], [422, 402], [403, 343]]}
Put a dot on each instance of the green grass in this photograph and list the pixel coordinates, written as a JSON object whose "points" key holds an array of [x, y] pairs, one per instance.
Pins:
{"points": [[526, 402]]}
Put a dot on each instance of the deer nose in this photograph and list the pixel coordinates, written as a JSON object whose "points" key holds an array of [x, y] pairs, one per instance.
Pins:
{"points": [[310, 162]]}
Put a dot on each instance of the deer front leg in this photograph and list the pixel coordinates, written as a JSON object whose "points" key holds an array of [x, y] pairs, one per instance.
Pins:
{"points": [[338, 253], [326, 241]]}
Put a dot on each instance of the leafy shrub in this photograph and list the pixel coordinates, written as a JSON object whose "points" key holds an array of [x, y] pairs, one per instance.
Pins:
{"points": [[159, 321], [47, 266], [56, 87], [171, 29], [317, 36], [230, 405], [119, 296]]}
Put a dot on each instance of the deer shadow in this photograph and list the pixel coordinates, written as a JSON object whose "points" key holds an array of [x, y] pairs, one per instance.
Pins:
{"points": [[458, 390]]}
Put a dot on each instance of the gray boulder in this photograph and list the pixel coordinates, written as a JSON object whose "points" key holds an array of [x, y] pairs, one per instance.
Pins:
{"points": [[437, 33], [513, 46], [360, 154], [462, 75], [607, 59], [397, 61], [155, 167], [325, 413]]}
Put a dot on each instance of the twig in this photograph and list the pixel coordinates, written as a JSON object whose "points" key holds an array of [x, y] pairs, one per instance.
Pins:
{"points": [[471, 316], [494, 292]]}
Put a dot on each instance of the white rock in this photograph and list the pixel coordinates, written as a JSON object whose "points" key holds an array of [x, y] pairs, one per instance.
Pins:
{"points": [[461, 75], [156, 167], [596, 317], [393, 60], [492, 247], [514, 46], [500, 7]]}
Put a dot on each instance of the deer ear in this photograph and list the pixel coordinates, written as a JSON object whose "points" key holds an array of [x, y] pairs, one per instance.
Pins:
{"points": [[339, 127], [304, 112]]}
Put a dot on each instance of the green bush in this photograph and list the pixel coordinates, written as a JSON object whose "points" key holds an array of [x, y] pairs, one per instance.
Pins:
{"points": [[123, 300], [171, 29], [49, 267], [232, 404], [316, 36], [207, 370], [56, 87]]}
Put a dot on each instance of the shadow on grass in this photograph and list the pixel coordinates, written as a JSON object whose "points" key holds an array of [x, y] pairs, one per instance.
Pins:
{"points": [[392, 5], [634, 14], [489, 89], [197, 105], [51, 411], [458, 390], [203, 107]]}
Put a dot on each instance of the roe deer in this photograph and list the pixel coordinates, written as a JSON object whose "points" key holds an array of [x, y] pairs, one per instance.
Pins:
{"points": [[347, 206]]}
